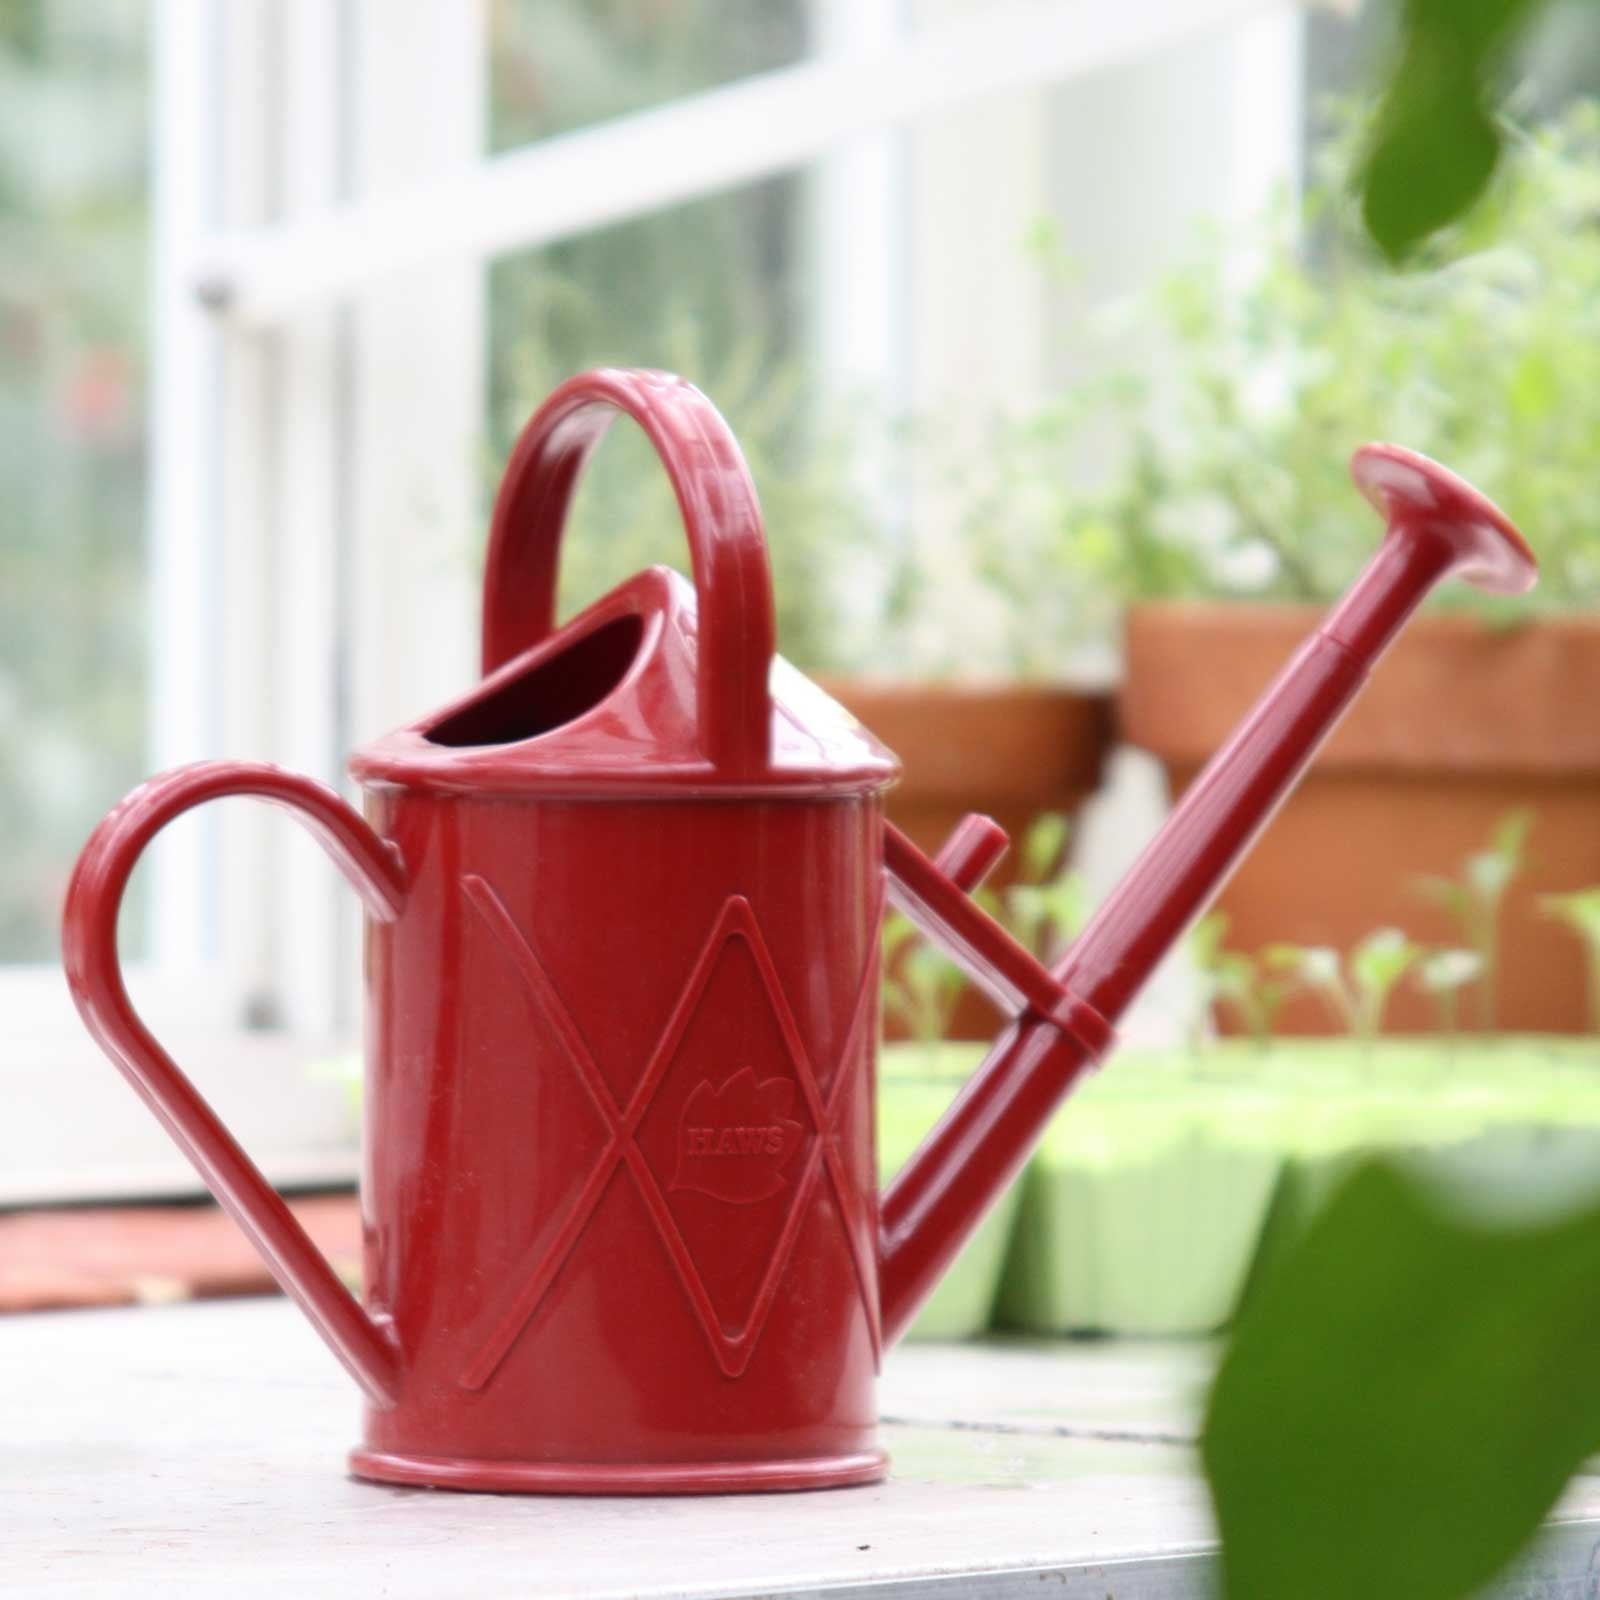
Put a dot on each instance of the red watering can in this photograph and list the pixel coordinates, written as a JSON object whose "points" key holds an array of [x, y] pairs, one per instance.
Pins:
{"points": [[622, 1231]]}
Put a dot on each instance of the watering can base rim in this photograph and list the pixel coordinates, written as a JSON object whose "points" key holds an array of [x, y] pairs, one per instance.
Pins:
{"points": [[621, 1477]]}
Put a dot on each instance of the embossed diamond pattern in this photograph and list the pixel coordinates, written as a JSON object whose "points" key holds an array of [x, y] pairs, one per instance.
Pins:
{"points": [[731, 1348]]}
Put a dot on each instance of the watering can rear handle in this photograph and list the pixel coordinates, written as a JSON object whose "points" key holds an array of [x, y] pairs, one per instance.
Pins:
{"points": [[1438, 525], [94, 973], [721, 517]]}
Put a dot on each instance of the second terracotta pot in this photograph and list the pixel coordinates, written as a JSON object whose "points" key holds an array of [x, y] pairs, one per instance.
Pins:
{"points": [[1460, 725], [1009, 750]]}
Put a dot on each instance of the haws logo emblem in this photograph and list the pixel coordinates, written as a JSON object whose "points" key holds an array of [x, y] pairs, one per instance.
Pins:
{"points": [[734, 1142]]}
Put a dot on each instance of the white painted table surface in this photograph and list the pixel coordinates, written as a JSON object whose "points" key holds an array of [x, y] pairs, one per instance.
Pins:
{"points": [[200, 1450]]}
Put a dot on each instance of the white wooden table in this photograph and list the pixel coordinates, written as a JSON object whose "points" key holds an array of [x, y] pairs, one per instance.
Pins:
{"points": [[200, 1450]]}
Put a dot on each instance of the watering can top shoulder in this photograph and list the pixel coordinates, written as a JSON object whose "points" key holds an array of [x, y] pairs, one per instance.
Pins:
{"points": [[609, 706], [661, 686]]}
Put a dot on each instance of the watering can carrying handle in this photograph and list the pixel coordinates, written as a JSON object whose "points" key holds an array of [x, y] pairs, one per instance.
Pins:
{"points": [[94, 973], [721, 516]]}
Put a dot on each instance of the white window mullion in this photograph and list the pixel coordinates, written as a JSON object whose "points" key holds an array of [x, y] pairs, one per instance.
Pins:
{"points": [[311, 425], [247, 93], [417, 387], [858, 214], [184, 458], [1207, 132], [979, 181], [858, 260], [703, 144]]}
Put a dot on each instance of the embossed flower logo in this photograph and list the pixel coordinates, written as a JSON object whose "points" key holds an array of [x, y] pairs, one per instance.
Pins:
{"points": [[734, 1142]]}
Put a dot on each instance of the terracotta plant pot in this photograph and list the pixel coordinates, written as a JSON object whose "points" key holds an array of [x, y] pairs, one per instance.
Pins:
{"points": [[1009, 750], [1460, 724]]}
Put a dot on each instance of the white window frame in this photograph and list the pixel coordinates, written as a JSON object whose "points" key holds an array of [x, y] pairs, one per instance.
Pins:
{"points": [[323, 214]]}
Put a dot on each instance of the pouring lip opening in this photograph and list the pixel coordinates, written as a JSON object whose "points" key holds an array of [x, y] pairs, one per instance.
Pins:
{"points": [[1405, 486], [639, 739], [633, 627]]}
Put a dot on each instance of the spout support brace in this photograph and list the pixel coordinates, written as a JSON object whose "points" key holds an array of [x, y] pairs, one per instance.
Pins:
{"points": [[986, 1136], [1011, 975]]}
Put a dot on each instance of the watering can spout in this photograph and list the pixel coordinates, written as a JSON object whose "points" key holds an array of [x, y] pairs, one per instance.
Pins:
{"points": [[1064, 1017]]}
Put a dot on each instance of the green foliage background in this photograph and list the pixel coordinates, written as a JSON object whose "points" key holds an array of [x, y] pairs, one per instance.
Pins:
{"points": [[1276, 353], [73, 618]]}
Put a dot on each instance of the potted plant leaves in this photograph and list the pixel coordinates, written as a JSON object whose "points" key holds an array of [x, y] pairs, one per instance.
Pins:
{"points": [[1229, 521]]}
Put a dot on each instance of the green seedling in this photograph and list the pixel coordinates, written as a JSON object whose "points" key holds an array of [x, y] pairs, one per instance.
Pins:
{"points": [[1233, 979], [1580, 910], [1474, 901], [1317, 970], [1442, 975], [1377, 964], [1356, 991], [1044, 910], [920, 984], [1048, 906]]}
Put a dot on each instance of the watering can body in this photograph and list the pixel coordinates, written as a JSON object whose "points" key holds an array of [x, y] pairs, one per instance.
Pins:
{"points": [[620, 1180], [621, 1225]]}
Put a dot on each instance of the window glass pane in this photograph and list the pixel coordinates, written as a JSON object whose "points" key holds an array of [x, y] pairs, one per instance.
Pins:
{"points": [[73, 185], [713, 290], [719, 290], [555, 65]]}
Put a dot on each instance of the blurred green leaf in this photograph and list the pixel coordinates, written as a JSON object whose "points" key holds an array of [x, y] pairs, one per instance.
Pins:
{"points": [[1436, 143], [1447, 970], [1317, 968], [898, 930], [1044, 844], [1432, 160], [1580, 910], [1535, 386], [1383, 958], [1402, 1404], [1473, 901], [1283, 957], [1510, 836], [1316, 965], [1205, 939], [1442, 975], [920, 984], [1487, 875], [1377, 964]]}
